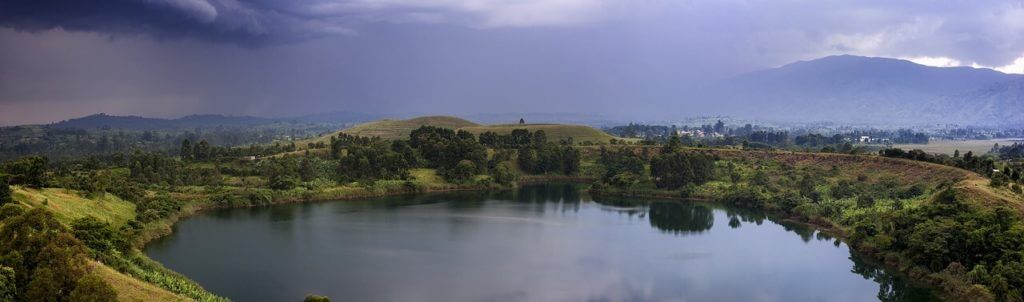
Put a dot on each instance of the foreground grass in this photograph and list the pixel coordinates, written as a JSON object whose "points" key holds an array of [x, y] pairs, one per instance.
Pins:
{"points": [[130, 289]]}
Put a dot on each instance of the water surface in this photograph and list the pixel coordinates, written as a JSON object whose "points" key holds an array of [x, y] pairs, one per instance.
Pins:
{"points": [[541, 243]]}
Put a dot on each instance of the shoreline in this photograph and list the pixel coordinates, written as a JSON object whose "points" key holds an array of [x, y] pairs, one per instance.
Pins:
{"points": [[164, 227]]}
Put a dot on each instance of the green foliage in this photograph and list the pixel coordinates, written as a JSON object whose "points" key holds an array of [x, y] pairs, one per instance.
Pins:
{"points": [[8, 284], [461, 173], [5, 191], [282, 181], [504, 173], [316, 298], [155, 207], [543, 158], [29, 171], [444, 148], [147, 270], [92, 288], [983, 165], [97, 235], [46, 259], [371, 161], [677, 169], [623, 168]]}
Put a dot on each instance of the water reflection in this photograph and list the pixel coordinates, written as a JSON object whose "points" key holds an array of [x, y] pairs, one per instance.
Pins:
{"points": [[891, 288], [681, 217], [538, 243]]}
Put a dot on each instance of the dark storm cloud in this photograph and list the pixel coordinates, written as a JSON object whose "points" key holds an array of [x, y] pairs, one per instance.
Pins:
{"points": [[616, 57], [243, 22]]}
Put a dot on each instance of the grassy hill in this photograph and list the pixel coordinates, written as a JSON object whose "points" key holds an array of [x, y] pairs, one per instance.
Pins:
{"points": [[400, 129], [394, 129], [69, 205], [555, 132]]}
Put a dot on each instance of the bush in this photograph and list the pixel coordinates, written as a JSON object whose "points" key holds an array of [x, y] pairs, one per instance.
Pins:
{"points": [[462, 172], [96, 234], [5, 191], [92, 288], [316, 298], [504, 173]]}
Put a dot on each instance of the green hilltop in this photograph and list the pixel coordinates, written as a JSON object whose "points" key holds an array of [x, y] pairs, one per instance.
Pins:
{"points": [[399, 129]]}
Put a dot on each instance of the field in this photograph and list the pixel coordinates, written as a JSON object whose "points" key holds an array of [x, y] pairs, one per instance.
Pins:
{"points": [[68, 205], [555, 132], [949, 146]]}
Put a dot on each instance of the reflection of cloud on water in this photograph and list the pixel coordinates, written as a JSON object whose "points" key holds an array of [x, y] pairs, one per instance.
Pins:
{"points": [[396, 252], [493, 218], [689, 256]]}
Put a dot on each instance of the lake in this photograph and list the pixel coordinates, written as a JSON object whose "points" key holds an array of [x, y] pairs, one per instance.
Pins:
{"points": [[538, 243]]}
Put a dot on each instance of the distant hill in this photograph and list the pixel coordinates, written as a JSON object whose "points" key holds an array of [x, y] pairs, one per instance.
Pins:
{"points": [[400, 129], [863, 89], [105, 121], [554, 132], [395, 129], [1000, 104]]}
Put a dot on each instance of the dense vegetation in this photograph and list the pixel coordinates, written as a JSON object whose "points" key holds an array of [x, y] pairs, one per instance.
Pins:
{"points": [[923, 225], [60, 143]]}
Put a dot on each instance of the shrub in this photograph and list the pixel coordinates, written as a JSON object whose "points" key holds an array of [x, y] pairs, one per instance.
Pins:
{"points": [[92, 288]]}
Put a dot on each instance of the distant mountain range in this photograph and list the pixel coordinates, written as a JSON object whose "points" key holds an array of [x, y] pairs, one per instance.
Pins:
{"points": [[841, 89], [104, 121], [853, 89]]}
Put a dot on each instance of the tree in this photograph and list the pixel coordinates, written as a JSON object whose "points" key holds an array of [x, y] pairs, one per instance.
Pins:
{"points": [[672, 145], [186, 149], [92, 288], [279, 181], [5, 191], [202, 151], [675, 170], [462, 172], [316, 298], [504, 173], [44, 286], [8, 285], [29, 171], [522, 121], [94, 233]]}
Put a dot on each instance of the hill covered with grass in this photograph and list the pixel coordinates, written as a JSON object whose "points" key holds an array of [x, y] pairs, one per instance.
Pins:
{"points": [[400, 129], [554, 132], [394, 129]]}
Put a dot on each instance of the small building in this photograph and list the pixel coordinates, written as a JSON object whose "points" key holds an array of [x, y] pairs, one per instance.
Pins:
{"points": [[249, 158], [864, 139]]}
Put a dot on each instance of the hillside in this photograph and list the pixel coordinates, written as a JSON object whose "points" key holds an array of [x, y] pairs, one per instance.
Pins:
{"points": [[554, 132], [395, 129], [400, 129], [106, 121], [995, 104], [864, 90]]}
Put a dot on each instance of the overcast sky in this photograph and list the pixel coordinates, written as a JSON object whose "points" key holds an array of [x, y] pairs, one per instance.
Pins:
{"points": [[63, 59]]}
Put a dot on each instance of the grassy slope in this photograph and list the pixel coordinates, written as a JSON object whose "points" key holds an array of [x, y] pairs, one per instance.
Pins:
{"points": [[554, 132], [131, 289], [949, 146], [394, 129], [400, 129], [70, 205]]}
